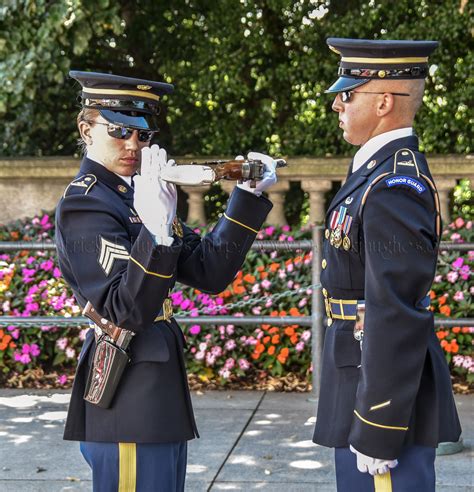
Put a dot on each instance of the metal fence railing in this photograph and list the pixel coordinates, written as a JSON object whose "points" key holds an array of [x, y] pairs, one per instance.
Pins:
{"points": [[315, 321]]}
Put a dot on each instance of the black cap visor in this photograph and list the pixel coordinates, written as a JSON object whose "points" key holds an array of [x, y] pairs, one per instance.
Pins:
{"points": [[346, 84], [131, 119]]}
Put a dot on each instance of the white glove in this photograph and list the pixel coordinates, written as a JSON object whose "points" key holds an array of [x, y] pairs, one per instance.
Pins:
{"points": [[372, 465], [154, 199], [269, 174]]}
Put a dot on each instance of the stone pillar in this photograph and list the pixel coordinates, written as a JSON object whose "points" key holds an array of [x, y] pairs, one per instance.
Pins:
{"points": [[445, 187], [316, 189], [196, 212], [276, 194]]}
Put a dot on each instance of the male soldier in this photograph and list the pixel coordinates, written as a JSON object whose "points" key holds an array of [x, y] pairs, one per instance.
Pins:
{"points": [[122, 249], [386, 399]]}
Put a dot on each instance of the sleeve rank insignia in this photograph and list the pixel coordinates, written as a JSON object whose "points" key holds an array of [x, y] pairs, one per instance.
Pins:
{"points": [[109, 252]]}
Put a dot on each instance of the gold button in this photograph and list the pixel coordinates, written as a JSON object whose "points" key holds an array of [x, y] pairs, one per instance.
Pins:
{"points": [[324, 263], [371, 164], [325, 293], [329, 321], [326, 233]]}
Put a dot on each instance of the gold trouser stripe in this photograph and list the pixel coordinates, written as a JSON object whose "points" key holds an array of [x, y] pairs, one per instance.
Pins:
{"points": [[240, 223], [147, 271], [391, 427], [118, 92], [127, 467], [388, 61], [383, 483]]}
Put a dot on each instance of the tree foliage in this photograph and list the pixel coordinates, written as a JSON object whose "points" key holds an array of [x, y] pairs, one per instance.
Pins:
{"points": [[249, 74]]}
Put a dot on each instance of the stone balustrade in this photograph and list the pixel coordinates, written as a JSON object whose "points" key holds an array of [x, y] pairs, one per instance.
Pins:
{"points": [[29, 185]]}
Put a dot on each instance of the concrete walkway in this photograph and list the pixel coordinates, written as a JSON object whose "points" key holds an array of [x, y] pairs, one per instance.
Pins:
{"points": [[250, 441]]}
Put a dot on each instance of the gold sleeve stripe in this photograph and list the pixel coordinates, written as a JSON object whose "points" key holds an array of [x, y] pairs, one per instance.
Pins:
{"points": [[383, 483], [388, 61], [380, 405], [118, 92], [147, 271], [240, 223], [390, 427], [127, 467]]}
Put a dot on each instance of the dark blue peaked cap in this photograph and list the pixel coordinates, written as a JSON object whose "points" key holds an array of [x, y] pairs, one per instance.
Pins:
{"points": [[124, 101], [363, 60]]}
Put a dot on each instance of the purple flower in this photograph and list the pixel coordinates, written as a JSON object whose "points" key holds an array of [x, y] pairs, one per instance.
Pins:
{"points": [[195, 330]]}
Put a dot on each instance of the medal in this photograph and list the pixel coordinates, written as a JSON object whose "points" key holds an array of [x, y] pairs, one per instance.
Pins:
{"points": [[337, 238], [346, 243]]}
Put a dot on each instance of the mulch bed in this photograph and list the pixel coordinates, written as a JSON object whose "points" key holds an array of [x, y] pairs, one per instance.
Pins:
{"points": [[38, 379]]}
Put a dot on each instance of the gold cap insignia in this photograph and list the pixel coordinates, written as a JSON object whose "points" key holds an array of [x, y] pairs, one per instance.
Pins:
{"points": [[122, 188], [143, 87], [371, 164], [382, 73]]}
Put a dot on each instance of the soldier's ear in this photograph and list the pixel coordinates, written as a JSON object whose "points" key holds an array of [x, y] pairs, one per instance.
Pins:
{"points": [[85, 131], [385, 104]]}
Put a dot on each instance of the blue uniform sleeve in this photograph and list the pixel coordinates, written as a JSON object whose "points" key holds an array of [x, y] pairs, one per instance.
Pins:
{"points": [[400, 261], [210, 263], [125, 282]]}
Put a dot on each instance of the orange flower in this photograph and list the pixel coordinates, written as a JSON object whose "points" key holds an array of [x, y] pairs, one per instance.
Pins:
{"points": [[263, 275], [273, 330], [454, 347], [249, 278], [15, 235], [225, 294], [294, 339], [289, 330], [444, 343], [465, 329], [266, 339], [446, 310], [260, 268], [12, 345], [456, 329], [294, 312], [255, 356], [282, 313], [441, 334], [281, 359], [285, 351], [276, 339], [271, 349], [259, 348], [432, 294], [442, 300], [274, 267], [2, 333], [265, 327], [274, 313]]}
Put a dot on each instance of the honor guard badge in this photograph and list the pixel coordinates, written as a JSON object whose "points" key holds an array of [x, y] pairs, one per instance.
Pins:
{"points": [[340, 226], [109, 252]]}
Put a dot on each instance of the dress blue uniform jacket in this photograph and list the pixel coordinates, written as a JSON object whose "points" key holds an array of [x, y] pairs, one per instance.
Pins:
{"points": [[110, 259], [395, 389]]}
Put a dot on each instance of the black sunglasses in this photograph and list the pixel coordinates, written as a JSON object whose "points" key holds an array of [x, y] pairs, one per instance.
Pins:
{"points": [[347, 95], [124, 133]]}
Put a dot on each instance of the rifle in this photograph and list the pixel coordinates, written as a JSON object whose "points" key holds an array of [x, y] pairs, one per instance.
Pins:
{"points": [[204, 173]]}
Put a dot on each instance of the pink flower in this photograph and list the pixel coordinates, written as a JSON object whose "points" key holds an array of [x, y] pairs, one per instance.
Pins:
{"points": [[452, 276], [285, 228], [62, 379], [30, 260], [244, 364], [459, 296], [303, 302], [459, 222], [56, 272], [216, 351], [14, 332], [269, 230], [256, 310], [469, 225], [23, 358], [47, 265], [185, 304], [230, 329], [455, 236], [306, 335], [199, 355], [70, 353], [299, 346], [34, 350], [465, 272], [438, 279], [61, 343], [266, 284], [255, 288], [230, 345], [229, 363], [224, 373], [458, 262], [210, 359], [195, 330]]}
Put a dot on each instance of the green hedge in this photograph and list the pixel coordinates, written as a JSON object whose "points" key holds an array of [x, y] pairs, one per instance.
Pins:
{"points": [[248, 75]]}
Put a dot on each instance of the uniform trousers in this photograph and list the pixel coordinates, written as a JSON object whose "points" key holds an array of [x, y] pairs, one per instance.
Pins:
{"points": [[415, 472], [130, 467]]}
